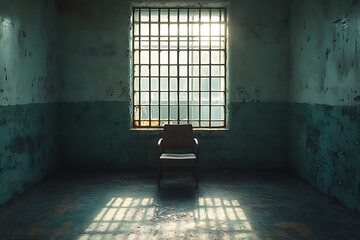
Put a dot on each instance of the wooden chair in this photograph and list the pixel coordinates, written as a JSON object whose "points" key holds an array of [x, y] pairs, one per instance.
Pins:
{"points": [[178, 146]]}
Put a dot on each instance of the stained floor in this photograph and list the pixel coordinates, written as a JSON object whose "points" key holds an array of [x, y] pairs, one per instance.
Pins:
{"points": [[129, 206]]}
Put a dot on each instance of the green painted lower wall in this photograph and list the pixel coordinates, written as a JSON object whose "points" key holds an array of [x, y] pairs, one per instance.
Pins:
{"points": [[28, 146], [325, 149], [97, 135]]}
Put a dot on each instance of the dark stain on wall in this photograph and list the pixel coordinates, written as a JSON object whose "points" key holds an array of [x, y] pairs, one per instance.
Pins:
{"points": [[354, 2], [334, 157], [3, 122], [110, 92], [108, 50], [285, 23], [31, 148], [344, 67], [322, 80], [312, 138], [243, 94], [357, 61], [328, 109], [325, 149], [11, 164], [30, 145], [22, 145], [316, 167], [253, 28], [327, 53], [351, 112], [343, 180], [18, 145]]}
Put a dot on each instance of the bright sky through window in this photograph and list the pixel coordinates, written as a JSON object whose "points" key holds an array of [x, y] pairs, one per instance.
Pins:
{"points": [[179, 67]]}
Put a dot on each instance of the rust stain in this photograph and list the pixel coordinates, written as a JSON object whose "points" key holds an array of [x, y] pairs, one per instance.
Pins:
{"points": [[302, 229], [37, 229], [63, 208], [66, 207], [275, 234], [62, 231], [282, 234]]}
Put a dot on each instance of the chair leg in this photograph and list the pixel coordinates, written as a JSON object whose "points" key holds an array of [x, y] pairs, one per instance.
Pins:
{"points": [[158, 174], [197, 174], [194, 172]]}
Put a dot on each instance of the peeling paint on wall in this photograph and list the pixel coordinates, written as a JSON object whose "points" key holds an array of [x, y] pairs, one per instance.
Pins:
{"points": [[325, 149], [28, 146], [28, 83], [324, 125], [27, 53], [325, 69]]}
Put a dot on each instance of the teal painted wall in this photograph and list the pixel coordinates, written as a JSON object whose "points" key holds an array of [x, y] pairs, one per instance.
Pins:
{"points": [[28, 86], [97, 135], [294, 91], [324, 92], [95, 96], [28, 146]]}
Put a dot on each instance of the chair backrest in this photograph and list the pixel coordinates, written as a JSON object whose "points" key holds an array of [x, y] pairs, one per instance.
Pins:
{"points": [[178, 137]]}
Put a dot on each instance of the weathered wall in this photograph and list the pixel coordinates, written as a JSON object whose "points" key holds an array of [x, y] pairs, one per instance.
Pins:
{"points": [[324, 123], [95, 88], [27, 88]]}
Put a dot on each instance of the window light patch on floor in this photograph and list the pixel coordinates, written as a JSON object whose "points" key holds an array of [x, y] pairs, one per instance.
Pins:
{"points": [[141, 218]]}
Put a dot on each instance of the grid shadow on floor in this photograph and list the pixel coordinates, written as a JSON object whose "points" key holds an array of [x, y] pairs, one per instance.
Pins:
{"points": [[130, 206]]}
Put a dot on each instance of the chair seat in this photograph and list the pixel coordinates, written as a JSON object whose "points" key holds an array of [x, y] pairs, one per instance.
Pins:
{"points": [[178, 148], [177, 156]]}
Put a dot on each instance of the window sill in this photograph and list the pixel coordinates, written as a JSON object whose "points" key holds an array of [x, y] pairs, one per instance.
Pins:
{"points": [[194, 129]]}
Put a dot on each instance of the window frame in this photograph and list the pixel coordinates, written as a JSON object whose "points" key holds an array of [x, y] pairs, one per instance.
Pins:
{"points": [[222, 14]]}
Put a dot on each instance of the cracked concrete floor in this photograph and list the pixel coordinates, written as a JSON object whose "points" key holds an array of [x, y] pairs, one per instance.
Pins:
{"points": [[129, 206]]}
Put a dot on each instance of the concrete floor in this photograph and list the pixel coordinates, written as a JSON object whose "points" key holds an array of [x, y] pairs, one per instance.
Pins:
{"points": [[129, 206]]}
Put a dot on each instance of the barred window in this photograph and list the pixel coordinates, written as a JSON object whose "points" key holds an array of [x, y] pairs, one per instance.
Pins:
{"points": [[179, 66]]}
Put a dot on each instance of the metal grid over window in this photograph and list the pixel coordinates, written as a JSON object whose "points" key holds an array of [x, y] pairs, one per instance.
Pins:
{"points": [[179, 66]]}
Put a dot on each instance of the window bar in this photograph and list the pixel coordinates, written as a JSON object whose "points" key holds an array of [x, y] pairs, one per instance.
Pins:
{"points": [[224, 11], [210, 67], [149, 52], [178, 64], [159, 73], [133, 63], [140, 47], [188, 68], [200, 51], [190, 50], [169, 113]]}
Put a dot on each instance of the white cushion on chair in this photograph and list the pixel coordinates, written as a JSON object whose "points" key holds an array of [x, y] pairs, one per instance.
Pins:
{"points": [[177, 156]]}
